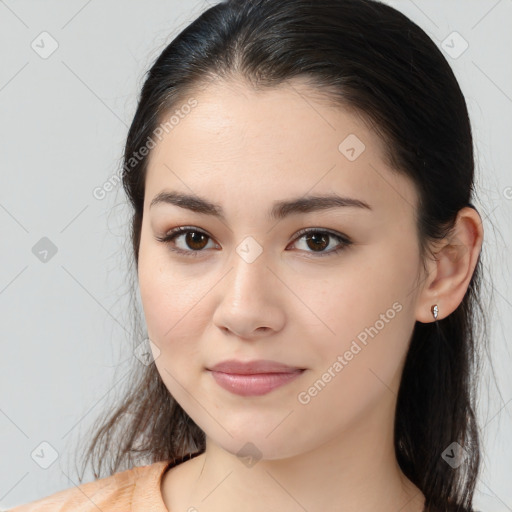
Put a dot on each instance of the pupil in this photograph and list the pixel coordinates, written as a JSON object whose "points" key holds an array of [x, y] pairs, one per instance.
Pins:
{"points": [[191, 241], [315, 237]]}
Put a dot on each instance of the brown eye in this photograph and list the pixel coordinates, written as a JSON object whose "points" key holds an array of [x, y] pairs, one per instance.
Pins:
{"points": [[317, 241], [192, 240], [196, 240]]}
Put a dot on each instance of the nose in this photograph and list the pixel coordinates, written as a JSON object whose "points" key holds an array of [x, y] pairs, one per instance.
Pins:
{"points": [[250, 305]]}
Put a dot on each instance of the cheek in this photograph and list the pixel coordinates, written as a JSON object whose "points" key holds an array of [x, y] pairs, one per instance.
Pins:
{"points": [[172, 325], [360, 368], [351, 300], [160, 295], [368, 314], [174, 308]]}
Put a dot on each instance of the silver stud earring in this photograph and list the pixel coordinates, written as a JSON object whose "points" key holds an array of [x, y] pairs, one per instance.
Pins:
{"points": [[435, 311]]}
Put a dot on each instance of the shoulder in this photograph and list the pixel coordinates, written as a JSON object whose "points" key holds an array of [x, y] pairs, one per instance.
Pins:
{"points": [[116, 493]]}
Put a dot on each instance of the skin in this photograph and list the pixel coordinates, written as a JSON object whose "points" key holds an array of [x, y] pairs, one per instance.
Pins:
{"points": [[244, 150]]}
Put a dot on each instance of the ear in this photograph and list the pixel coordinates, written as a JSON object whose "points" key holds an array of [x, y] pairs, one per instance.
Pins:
{"points": [[449, 274]]}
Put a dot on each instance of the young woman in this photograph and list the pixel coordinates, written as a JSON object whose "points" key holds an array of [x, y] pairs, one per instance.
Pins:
{"points": [[308, 260]]}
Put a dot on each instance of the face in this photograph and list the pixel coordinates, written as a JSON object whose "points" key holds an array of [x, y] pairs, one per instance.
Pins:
{"points": [[336, 303]]}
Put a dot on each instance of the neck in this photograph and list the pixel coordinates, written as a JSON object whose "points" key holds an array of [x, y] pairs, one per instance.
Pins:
{"points": [[355, 472]]}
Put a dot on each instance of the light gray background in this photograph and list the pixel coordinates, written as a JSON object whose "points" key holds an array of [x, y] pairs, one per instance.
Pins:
{"points": [[66, 322]]}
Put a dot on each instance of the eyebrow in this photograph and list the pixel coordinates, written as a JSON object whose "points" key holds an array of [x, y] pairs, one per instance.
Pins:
{"points": [[280, 209]]}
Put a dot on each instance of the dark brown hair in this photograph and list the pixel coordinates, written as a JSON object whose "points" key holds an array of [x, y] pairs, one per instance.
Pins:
{"points": [[368, 57]]}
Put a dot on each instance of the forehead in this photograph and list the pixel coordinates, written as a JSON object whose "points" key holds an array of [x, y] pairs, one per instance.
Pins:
{"points": [[288, 140]]}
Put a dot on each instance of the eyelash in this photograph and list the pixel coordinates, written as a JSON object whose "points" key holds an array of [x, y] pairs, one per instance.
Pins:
{"points": [[174, 233]]}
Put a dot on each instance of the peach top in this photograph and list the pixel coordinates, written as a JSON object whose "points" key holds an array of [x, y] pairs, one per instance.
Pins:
{"points": [[133, 490]]}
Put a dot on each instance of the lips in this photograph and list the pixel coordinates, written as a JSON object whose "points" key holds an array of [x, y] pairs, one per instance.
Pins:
{"points": [[253, 378], [252, 367]]}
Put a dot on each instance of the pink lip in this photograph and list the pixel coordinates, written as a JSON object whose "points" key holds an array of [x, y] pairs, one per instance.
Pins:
{"points": [[253, 378], [252, 367]]}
